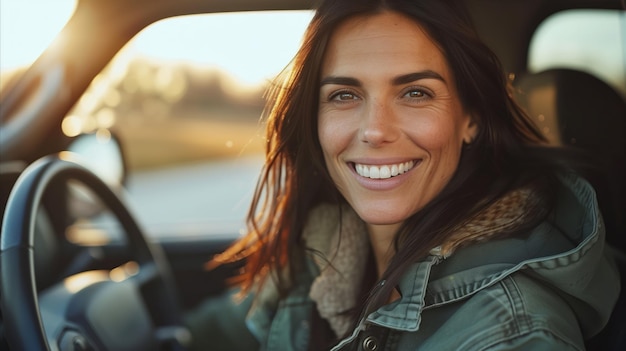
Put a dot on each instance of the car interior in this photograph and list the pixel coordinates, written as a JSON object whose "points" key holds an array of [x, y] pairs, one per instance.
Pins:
{"points": [[79, 268]]}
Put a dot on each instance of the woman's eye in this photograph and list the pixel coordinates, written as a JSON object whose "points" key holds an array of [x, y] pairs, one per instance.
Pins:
{"points": [[343, 96], [416, 94]]}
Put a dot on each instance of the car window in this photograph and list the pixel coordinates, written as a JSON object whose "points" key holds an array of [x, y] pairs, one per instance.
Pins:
{"points": [[185, 97], [588, 40]]}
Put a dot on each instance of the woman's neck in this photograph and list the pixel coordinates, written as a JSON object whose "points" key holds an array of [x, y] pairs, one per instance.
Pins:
{"points": [[381, 239]]}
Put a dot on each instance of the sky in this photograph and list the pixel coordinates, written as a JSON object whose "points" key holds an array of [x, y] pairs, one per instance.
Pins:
{"points": [[254, 49]]}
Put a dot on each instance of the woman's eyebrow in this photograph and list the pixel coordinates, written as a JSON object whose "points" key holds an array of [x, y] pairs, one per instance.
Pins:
{"points": [[399, 80], [340, 81], [415, 76]]}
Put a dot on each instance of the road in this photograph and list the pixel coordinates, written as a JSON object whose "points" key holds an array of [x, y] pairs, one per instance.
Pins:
{"points": [[198, 199]]}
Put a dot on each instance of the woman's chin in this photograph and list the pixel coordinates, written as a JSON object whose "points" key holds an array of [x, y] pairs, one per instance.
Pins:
{"points": [[381, 217]]}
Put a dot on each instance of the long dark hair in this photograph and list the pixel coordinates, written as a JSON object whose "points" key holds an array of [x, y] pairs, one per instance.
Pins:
{"points": [[508, 151]]}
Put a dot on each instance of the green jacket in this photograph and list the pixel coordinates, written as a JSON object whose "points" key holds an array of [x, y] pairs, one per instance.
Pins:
{"points": [[549, 290]]}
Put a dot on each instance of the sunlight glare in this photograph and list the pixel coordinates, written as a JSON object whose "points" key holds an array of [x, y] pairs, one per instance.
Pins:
{"points": [[79, 281], [251, 47], [28, 27]]}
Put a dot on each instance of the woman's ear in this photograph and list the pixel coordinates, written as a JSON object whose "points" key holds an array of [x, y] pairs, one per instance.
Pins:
{"points": [[471, 130]]}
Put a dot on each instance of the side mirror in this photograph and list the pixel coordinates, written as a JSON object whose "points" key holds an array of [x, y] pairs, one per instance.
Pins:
{"points": [[102, 154]]}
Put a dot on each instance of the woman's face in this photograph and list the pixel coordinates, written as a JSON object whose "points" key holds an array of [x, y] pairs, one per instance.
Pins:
{"points": [[391, 124]]}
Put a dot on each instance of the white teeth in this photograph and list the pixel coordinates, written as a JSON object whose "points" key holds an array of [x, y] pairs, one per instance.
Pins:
{"points": [[374, 172], [384, 171], [394, 170]]}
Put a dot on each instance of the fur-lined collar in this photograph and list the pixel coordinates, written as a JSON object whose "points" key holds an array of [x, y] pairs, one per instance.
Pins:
{"points": [[340, 239]]}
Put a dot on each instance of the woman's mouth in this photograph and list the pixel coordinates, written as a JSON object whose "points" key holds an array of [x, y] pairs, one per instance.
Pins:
{"points": [[383, 171]]}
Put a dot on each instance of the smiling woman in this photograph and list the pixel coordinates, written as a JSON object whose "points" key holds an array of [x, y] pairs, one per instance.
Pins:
{"points": [[404, 200], [407, 202], [405, 117]]}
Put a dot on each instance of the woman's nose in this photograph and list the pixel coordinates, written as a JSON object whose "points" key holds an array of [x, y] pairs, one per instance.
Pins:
{"points": [[378, 125]]}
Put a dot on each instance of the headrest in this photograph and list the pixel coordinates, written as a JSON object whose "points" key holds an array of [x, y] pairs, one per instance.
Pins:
{"points": [[577, 109]]}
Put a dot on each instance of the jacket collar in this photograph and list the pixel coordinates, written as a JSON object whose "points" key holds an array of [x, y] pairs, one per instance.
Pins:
{"points": [[406, 313], [338, 238], [567, 248], [566, 252]]}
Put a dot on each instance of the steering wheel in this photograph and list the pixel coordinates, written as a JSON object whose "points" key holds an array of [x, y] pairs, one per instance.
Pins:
{"points": [[138, 311]]}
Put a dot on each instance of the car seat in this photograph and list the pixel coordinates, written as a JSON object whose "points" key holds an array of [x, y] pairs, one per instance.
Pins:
{"points": [[577, 109], [574, 108]]}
